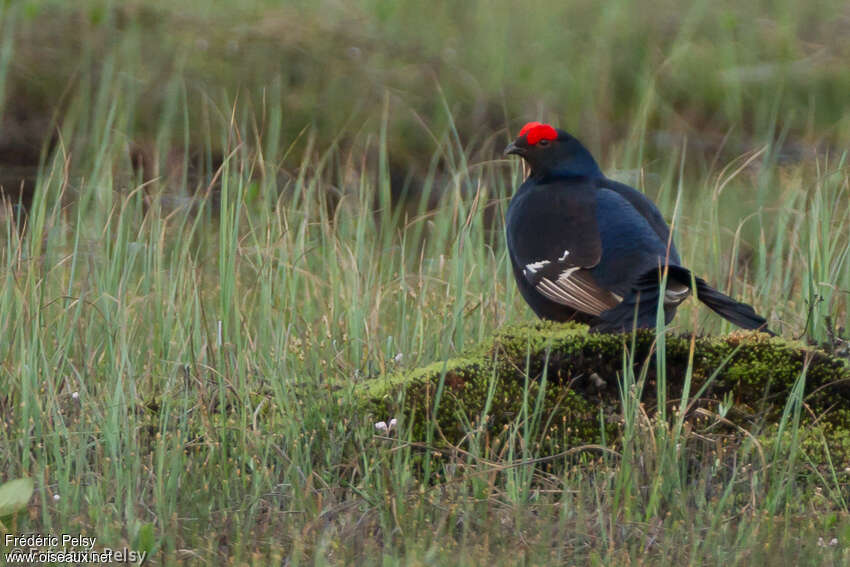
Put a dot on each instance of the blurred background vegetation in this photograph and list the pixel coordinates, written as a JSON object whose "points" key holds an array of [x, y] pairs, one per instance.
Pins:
{"points": [[727, 76]]}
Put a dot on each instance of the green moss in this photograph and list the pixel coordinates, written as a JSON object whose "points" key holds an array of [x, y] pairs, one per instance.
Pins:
{"points": [[581, 390]]}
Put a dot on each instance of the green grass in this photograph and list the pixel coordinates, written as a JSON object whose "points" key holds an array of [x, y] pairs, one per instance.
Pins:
{"points": [[179, 355]]}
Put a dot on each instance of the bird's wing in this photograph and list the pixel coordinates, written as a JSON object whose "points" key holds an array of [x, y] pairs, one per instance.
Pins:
{"points": [[569, 285], [645, 207], [554, 240]]}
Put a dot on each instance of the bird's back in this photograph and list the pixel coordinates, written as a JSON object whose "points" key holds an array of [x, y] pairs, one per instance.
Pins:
{"points": [[631, 245], [641, 204]]}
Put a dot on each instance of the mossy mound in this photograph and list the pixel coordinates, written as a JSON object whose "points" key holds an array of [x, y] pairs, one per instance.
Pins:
{"points": [[566, 382]]}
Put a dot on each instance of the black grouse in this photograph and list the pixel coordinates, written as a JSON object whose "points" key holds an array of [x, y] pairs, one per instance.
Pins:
{"points": [[586, 248]]}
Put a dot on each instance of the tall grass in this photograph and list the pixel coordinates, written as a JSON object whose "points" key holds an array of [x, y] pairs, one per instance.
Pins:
{"points": [[178, 354]]}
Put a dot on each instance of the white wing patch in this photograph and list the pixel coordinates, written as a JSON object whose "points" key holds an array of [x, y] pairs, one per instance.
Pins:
{"points": [[565, 275], [534, 266], [576, 293]]}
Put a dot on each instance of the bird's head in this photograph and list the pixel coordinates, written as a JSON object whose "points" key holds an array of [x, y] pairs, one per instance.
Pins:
{"points": [[551, 152]]}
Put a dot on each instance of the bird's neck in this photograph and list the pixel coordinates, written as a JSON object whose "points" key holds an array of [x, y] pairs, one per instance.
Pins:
{"points": [[571, 173], [579, 166]]}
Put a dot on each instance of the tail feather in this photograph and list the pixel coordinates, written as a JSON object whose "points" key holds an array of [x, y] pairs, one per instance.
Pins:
{"points": [[733, 311], [640, 305]]}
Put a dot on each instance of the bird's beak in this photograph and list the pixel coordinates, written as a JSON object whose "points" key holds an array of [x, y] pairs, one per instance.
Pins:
{"points": [[513, 149]]}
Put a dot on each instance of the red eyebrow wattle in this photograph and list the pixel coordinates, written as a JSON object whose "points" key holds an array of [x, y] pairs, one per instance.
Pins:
{"points": [[535, 131]]}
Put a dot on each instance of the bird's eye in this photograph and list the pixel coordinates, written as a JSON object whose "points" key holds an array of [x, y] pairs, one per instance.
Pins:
{"points": [[544, 142]]}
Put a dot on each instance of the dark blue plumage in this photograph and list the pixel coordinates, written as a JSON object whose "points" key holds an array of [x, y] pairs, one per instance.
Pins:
{"points": [[586, 248], [629, 244]]}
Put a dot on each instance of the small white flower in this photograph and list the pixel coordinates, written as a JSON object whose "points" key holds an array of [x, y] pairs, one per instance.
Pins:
{"points": [[75, 395], [393, 423], [381, 426], [398, 358], [832, 542], [56, 498], [354, 52]]}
